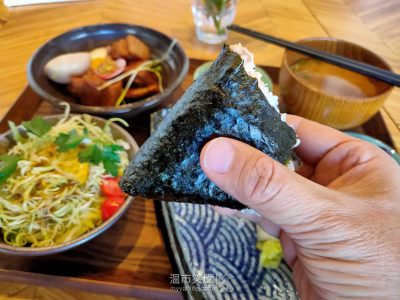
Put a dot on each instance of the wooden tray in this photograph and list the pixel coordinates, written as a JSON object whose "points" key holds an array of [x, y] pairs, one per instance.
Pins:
{"points": [[129, 259]]}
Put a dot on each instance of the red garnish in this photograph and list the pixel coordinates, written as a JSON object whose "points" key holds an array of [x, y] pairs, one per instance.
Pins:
{"points": [[110, 187], [110, 206]]}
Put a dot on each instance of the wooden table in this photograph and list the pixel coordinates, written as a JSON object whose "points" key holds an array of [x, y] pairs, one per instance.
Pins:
{"points": [[372, 23]]}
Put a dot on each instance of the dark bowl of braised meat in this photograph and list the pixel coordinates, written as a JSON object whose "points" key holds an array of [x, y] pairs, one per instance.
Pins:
{"points": [[108, 69]]}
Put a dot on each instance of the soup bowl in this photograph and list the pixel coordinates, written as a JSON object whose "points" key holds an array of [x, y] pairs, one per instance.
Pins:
{"points": [[340, 110]]}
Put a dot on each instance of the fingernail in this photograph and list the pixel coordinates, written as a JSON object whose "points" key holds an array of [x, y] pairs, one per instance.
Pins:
{"points": [[219, 155]]}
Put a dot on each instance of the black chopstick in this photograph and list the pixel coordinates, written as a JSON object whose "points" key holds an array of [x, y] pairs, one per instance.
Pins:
{"points": [[344, 62]]}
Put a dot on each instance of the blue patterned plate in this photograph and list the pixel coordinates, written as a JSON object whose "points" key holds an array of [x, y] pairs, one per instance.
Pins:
{"points": [[215, 256]]}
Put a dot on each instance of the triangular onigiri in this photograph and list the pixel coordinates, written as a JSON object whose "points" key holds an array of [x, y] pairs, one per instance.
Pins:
{"points": [[224, 101]]}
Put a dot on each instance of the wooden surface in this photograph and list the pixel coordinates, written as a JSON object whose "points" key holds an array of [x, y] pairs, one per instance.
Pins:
{"points": [[371, 23], [129, 259]]}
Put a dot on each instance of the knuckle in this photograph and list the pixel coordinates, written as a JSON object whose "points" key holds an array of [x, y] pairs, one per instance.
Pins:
{"points": [[364, 150], [258, 181], [358, 153]]}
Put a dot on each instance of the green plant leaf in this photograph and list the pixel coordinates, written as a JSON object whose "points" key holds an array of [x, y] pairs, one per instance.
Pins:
{"points": [[14, 131], [67, 141], [91, 153], [111, 158], [38, 126], [107, 154], [214, 9], [8, 164]]}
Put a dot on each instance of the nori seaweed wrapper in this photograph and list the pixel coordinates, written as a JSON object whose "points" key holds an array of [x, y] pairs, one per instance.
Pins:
{"points": [[224, 101]]}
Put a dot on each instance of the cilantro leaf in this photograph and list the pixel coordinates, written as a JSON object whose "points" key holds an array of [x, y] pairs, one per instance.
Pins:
{"points": [[105, 154], [86, 154], [111, 167], [109, 153], [91, 153], [115, 147], [111, 159], [67, 141], [8, 164], [38, 126]]}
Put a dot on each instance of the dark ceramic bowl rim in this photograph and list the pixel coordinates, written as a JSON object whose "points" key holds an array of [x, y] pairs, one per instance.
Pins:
{"points": [[38, 251], [147, 103], [318, 91]]}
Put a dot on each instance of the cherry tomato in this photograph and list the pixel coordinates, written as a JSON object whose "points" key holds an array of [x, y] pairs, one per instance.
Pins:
{"points": [[110, 187], [110, 207]]}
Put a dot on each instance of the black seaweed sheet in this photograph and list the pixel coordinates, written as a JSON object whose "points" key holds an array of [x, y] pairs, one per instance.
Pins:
{"points": [[224, 101]]}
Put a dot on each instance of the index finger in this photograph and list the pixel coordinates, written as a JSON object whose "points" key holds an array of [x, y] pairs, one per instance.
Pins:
{"points": [[316, 140]]}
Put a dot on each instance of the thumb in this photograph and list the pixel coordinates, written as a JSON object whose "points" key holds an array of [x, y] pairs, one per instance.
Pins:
{"points": [[258, 181]]}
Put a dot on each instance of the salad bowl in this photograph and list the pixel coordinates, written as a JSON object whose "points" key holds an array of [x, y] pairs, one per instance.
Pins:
{"points": [[7, 141]]}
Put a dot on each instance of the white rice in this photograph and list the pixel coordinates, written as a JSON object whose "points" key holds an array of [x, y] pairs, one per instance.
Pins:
{"points": [[249, 67]]}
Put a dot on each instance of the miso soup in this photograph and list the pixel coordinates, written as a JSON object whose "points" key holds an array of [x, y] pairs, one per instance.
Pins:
{"points": [[334, 80]]}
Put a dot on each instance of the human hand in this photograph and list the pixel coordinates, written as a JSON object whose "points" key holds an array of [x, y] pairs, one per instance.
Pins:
{"points": [[338, 217]]}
